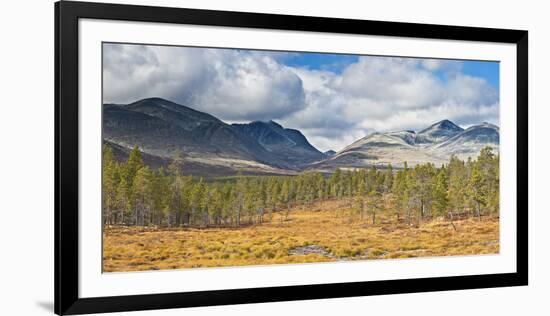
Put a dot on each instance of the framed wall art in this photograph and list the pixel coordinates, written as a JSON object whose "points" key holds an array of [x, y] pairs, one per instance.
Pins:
{"points": [[208, 157]]}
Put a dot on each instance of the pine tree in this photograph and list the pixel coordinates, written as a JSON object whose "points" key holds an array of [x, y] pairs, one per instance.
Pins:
{"points": [[142, 195], [477, 189], [110, 179], [260, 202], [162, 198], [361, 194], [336, 183], [176, 190], [440, 192], [488, 164], [421, 186], [239, 198], [134, 163], [374, 204], [215, 204], [123, 203], [176, 165], [285, 197], [458, 183], [388, 179], [494, 186]]}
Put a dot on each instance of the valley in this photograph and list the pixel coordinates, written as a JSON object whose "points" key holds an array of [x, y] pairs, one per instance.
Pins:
{"points": [[183, 189], [319, 232]]}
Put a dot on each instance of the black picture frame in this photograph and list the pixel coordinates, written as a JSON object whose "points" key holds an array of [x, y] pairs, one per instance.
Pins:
{"points": [[67, 15]]}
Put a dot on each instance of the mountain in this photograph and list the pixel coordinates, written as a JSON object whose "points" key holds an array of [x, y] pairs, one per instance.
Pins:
{"points": [[438, 132], [211, 147], [378, 149], [434, 144], [469, 142], [286, 144], [160, 128]]}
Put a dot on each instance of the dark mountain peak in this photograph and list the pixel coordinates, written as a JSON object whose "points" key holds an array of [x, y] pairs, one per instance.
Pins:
{"points": [[174, 113], [445, 125], [262, 124], [288, 143], [153, 99], [169, 105], [438, 132], [273, 123], [329, 153], [156, 101]]}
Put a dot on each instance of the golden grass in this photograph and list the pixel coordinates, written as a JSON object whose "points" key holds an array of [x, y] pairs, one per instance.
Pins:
{"points": [[143, 248]]}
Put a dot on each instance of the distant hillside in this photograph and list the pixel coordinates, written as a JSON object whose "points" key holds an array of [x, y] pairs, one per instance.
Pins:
{"points": [[434, 144], [160, 128]]}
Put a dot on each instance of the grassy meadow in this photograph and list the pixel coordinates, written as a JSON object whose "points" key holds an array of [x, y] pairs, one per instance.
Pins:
{"points": [[319, 232]]}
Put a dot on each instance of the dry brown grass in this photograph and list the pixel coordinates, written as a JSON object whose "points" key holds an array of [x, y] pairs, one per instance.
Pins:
{"points": [[136, 249]]}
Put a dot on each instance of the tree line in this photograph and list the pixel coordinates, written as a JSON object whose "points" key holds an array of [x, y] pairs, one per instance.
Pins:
{"points": [[134, 194]]}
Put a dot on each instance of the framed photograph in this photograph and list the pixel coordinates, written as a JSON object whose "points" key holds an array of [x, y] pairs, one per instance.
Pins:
{"points": [[209, 158]]}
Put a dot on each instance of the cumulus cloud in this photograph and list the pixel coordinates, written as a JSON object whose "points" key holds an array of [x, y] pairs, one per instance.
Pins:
{"points": [[332, 109], [379, 94], [231, 84]]}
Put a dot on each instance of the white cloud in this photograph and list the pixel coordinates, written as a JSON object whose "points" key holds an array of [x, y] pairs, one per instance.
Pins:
{"points": [[332, 110], [385, 94], [231, 84]]}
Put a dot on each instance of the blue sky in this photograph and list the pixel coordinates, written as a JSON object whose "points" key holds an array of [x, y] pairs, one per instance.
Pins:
{"points": [[488, 70], [315, 61], [484, 69], [351, 97]]}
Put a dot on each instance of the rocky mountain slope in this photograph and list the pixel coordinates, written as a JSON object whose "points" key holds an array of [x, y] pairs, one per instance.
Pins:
{"points": [[286, 144], [161, 128]]}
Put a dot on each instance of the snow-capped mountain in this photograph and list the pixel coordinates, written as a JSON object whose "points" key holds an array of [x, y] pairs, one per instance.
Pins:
{"points": [[435, 144], [438, 132], [469, 142]]}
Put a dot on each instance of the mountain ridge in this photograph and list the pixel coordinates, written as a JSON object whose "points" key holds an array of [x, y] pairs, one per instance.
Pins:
{"points": [[434, 144], [160, 128]]}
